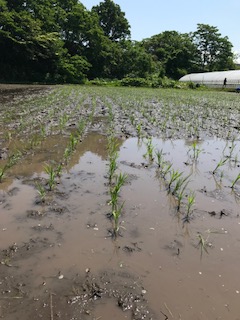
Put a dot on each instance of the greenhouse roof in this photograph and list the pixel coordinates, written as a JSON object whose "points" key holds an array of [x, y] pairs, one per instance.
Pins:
{"points": [[216, 77]]}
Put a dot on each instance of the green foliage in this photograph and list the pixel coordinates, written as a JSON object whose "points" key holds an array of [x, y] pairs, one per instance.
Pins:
{"points": [[2, 173], [60, 41], [135, 82], [173, 51], [112, 20], [214, 52], [73, 69], [49, 169]]}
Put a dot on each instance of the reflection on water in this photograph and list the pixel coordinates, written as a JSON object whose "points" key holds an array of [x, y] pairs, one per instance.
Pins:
{"points": [[155, 245]]}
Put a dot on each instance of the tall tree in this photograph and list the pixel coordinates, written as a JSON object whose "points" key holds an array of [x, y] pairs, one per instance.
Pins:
{"points": [[112, 20], [173, 51], [32, 39], [136, 61], [214, 52]]}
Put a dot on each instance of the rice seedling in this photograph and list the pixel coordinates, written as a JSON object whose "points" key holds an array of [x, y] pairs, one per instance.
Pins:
{"points": [[113, 156], [174, 175], [180, 196], [35, 141], [73, 142], [116, 214], [112, 145], [63, 121], [66, 154], [139, 130], [58, 170], [121, 179], [190, 203], [220, 164], [2, 173], [166, 168], [81, 127], [132, 119], [51, 176], [43, 131], [235, 181], [179, 183], [13, 159], [195, 151], [41, 191], [159, 155], [150, 149], [112, 167], [115, 190]]}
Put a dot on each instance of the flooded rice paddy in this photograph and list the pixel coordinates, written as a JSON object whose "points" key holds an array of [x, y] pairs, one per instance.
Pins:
{"points": [[77, 242]]}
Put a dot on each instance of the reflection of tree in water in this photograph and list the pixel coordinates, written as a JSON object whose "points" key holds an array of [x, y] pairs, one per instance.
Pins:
{"points": [[94, 143], [52, 150]]}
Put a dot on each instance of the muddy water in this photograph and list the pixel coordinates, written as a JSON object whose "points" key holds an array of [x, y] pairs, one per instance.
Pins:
{"points": [[54, 245]]}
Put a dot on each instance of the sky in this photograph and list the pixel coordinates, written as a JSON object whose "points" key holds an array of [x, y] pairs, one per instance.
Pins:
{"points": [[151, 17]]}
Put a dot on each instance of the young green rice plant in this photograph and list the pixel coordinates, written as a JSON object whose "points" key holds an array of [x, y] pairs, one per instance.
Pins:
{"points": [[2, 173], [195, 151], [179, 183], [150, 149], [35, 141], [112, 167], [121, 179], [132, 118], [190, 203], [235, 181], [110, 114], [220, 164], [116, 214], [73, 142], [13, 159], [43, 131], [49, 169], [112, 145], [174, 175], [66, 154], [113, 156], [115, 190], [58, 170], [180, 195], [166, 168], [81, 127], [63, 121], [159, 155], [139, 130], [41, 191]]}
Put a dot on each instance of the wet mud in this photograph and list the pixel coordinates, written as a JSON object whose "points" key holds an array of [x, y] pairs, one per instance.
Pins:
{"points": [[61, 255]]}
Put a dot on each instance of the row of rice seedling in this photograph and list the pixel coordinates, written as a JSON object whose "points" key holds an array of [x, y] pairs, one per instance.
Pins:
{"points": [[187, 112], [115, 180]]}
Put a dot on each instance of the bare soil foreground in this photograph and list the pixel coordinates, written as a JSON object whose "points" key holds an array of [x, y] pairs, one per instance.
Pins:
{"points": [[119, 203]]}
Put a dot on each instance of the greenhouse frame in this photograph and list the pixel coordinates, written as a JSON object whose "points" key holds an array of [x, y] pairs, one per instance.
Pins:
{"points": [[216, 79]]}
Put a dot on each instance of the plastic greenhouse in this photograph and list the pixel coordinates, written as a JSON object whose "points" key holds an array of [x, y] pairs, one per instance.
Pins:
{"points": [[215, 79]]}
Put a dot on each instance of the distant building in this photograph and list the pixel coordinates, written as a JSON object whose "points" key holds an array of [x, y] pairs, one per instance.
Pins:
{"points": [[216, 79]]}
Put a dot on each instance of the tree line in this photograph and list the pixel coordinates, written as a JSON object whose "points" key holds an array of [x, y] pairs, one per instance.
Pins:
{"points": [[59, 41]]}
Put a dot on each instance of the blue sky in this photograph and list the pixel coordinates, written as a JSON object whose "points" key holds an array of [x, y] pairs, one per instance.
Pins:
{"points": [[150, 17]]}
